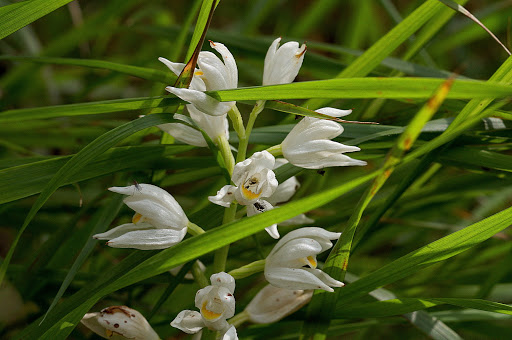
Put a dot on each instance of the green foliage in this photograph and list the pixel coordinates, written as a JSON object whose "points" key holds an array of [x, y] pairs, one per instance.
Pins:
{"points": [[81, 94]]}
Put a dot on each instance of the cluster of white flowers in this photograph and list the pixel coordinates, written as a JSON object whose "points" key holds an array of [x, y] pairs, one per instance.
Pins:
{"points": [[160, 222]]}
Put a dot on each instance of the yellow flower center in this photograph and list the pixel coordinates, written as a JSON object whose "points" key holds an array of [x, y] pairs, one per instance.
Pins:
{"points": [[136, 218], [249, 189], [208, 314], [310, 261], [198, 73]]}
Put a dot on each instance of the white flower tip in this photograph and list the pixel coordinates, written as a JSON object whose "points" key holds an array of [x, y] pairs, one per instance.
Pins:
{"points": [[162, 59], [171, 89], [300, 52], [333, 112]]}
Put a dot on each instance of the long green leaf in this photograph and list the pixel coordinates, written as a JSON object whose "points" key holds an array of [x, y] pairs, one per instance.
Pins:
{"points": [[81, 159], [98, 223], [427, 255], [105, 106], [22, 15], [141, 72], [407, 305], [37, 174]]}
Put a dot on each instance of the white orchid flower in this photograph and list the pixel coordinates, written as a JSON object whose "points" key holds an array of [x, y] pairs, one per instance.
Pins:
{"points": [[272, 304], [213, 74], [309, 144], [282, 64], [284, 266], [254, 180], [159, 221], [214, 126], [216, 304], [120, 322]]}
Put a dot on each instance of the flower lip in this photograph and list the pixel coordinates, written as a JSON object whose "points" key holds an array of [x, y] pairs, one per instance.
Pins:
{"points": [[284, 266]]}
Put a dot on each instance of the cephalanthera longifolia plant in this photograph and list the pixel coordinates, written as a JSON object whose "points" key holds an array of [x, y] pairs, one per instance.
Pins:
{"points": [[235, 200]]}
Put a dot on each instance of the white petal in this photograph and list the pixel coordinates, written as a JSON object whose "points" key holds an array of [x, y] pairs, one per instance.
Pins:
{"points": [[282, 64], [214, 71], [188, 321], [121, 230], [293, 253], [90, 320], [155, 204], [297, 220], [267, 70], [272, 231], [126, 322], [229, 61], [214, 126], [257, 208], [149, 239], [324, 277], [272, 304], [294, 279], [223, 279], [202, 101], [224, 196], [284, 191], [320, 235], [230, 334], [184, 133], [331, 111], [176, 68]]}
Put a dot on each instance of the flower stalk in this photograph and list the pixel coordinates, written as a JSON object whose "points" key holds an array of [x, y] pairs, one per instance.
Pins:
{"points": [[242, 145], [248, 269]]}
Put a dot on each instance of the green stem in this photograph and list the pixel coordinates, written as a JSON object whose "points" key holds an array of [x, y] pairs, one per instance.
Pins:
{"points": [[221, 254], [198, 274], [239, 319], [194, 229], [242, 146], [237, 121], [275, 150], [248, 270], [208, 334], [225, 151]]}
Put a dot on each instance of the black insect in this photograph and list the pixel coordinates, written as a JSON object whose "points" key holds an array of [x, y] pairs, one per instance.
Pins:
{"points": [[260, 207]]}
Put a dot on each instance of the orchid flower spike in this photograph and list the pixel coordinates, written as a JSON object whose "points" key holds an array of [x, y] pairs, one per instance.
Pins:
{"points": [[272, 304], [282, 64], [284, 267], [309, 144], [254, 180], [213, 74], [120, 322], [216, 304], [159, 221]]}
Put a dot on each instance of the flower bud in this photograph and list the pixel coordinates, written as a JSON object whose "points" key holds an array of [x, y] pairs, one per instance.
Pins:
{"points": [[282, 64], [121, 321], [272, 304]]}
